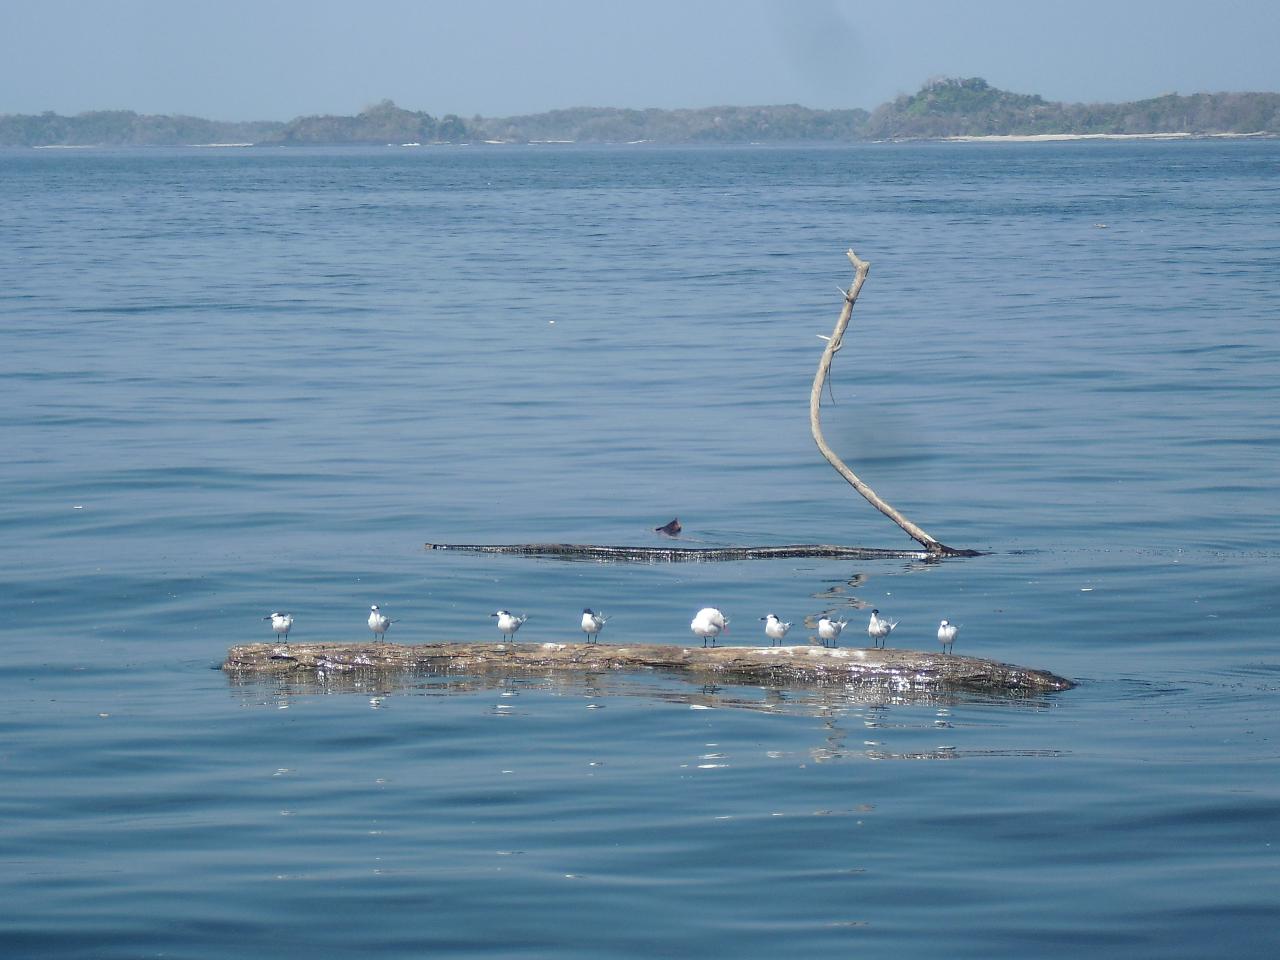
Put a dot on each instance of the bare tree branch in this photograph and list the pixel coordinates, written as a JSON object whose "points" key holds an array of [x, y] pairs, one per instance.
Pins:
{"points": [[861, 268]]}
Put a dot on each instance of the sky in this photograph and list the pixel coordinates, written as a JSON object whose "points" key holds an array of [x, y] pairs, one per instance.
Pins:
{"points": [[278, 59]]}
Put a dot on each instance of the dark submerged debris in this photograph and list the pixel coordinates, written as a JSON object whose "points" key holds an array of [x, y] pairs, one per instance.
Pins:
{"points": [[627, 554]]}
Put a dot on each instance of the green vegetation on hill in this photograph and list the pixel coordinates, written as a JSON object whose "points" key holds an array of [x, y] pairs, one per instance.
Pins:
{"points": [[971, 107], [951, 107], [124, 128], [381, 123], [708, 125], [942, 108]]}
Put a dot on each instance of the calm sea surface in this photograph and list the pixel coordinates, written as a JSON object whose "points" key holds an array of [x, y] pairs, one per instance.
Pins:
{"points": [[233, 381]]}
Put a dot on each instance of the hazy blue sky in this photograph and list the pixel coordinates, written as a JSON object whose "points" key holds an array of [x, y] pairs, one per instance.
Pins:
{"points": [[277, 59]]}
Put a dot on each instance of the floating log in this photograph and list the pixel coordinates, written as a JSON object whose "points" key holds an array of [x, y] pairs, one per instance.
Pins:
{"points": [[903, 669], [621, 554]]}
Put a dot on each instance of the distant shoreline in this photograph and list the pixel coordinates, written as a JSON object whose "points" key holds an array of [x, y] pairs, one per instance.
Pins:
{"points": [[981, 139], [961, 110], [1058, 137]]}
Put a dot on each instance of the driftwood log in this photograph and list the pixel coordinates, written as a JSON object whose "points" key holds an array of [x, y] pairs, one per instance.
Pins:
{"points": [[899, 669]]}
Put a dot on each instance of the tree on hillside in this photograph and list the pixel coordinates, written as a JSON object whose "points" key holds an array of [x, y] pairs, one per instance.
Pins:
{"points": [[451, 128]]}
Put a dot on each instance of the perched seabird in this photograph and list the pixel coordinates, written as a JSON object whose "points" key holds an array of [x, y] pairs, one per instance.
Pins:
{"points": [[592, 623], [878, 629], [670, 529], [708, 624], [829, 629], [774, 628], [281, 623], [509, 623], [947, 635], [379, 622]]}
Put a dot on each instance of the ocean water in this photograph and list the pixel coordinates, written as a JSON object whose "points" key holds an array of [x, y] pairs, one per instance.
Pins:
{"points": [[242, 380]]}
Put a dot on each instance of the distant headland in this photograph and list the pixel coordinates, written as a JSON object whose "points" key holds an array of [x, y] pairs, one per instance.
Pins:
{"points": [[949, 108]]}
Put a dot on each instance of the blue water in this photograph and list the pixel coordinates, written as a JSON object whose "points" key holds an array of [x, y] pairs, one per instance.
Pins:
{"points": [[245, 380]]}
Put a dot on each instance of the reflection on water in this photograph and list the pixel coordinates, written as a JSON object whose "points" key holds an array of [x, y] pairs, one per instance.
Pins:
{"points": [[797, 697], [840, 706], [842, 590], [841, 596]]}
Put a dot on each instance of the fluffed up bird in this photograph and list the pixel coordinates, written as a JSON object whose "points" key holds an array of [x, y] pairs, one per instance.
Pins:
{"points": [[509, 623], [379, 622], [947, 635], [829, 630], [592, 623], [774, 628], [709, 624], [281, 623], [878, 629]]}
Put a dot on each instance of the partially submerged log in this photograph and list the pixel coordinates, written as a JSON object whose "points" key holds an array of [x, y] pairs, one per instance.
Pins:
{"points": [[623, 554], [901, 669], [931, 548]]}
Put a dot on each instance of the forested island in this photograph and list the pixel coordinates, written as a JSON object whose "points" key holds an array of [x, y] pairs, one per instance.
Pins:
{"points": [[943, 108]]}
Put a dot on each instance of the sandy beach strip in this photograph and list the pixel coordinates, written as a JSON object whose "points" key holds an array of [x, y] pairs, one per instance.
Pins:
{"points": [[1050, 137]]}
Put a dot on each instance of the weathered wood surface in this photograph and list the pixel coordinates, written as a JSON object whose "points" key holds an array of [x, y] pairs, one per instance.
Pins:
{"points": [[834, 343], [621, 554], [907, 669]]}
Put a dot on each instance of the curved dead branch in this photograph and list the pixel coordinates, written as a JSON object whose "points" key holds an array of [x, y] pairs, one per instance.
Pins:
{"points": [[932, 546], [933, 549]]}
